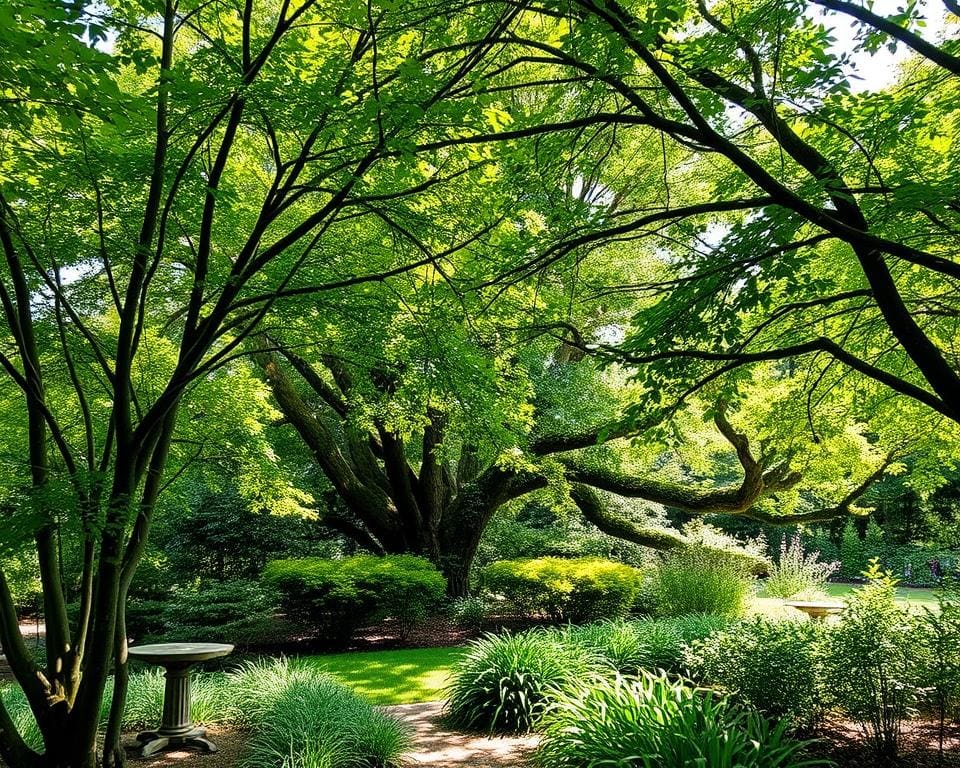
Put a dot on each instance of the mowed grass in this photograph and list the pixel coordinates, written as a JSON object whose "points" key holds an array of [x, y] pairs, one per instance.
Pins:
{"points": [[392, 677], [912, 595], [839, 591]]}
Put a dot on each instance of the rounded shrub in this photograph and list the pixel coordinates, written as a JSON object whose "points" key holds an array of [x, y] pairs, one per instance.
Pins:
{"points": [[654, 721], [575, 589], [469, 612], [774, 666], [700, 579], [337, 596], [503, 682]]}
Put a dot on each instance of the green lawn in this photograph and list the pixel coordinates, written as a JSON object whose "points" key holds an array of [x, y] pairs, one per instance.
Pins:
{"points": [[392, 677], [912, 595]]}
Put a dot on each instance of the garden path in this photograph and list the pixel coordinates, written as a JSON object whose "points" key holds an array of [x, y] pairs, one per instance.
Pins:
{"points": [[437, 747]]}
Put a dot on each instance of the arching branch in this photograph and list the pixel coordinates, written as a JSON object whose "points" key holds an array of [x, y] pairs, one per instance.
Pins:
{"points": [[595, 510]]}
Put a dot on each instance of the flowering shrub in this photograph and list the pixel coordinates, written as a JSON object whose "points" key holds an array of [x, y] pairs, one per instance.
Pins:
{"points": [[798, 573]]}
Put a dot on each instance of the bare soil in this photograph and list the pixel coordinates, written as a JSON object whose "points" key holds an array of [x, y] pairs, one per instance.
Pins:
{"points": [[846, 744]]}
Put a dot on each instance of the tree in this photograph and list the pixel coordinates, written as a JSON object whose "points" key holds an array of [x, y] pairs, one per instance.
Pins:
{"points": [[805, 221], [170, 172], [422, 448]]}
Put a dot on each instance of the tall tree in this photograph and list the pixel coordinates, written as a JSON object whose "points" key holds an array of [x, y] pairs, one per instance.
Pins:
{"points": [[170, 171], [801, 219], [423, 429]]}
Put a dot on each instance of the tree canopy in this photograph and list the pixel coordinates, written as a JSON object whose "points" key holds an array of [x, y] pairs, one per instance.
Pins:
{"points": [[673, 251]]}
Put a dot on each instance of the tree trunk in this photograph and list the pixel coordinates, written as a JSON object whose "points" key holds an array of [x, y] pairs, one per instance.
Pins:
{"points": [[456, 570]]}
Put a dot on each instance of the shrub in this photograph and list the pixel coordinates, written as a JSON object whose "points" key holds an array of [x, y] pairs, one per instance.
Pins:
{"points": [[871, 671], [939, 659], [796, 572], [469, 612], [577, 589], [340, 595], [699, 579], [303, 718], [240, 612], [853, 557], [145, 617], [629, 646], [23, 580], [502, 682], [775, 666], [652, 721]]}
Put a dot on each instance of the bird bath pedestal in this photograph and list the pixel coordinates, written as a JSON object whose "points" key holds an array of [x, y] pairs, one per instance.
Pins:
{"points": [[818, 610], [176, 728]]}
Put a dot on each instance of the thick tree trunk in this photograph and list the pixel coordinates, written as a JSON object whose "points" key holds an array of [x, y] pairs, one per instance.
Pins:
{"points": [[457, 573]]}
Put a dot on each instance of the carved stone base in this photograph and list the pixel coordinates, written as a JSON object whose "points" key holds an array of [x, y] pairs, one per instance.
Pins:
{"points": [[155, 742]]}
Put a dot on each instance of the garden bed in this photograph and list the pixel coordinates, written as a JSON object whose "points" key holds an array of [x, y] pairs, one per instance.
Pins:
{"points": [[843, 743]]}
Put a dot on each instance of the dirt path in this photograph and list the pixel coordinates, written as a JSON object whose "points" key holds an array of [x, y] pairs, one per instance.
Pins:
{"points": [[437, 747]]}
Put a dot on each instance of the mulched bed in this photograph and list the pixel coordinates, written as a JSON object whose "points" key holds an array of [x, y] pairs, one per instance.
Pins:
{"points": [[845, 744], [436, 632], [230, 743]]}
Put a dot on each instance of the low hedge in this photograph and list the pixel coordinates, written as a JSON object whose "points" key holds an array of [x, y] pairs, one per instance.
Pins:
{"points": [[576, 589], [338, 596]]}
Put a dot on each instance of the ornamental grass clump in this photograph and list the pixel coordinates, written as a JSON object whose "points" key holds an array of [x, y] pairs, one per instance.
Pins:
{"points": [[303, 718], [797, 573], [503, 682], [655, 721], [211, 702], [617, 642], [629, 646], [701, 579]]}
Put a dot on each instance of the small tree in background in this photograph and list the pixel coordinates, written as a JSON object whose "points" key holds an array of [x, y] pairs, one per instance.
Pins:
{"points": [[871, 669], [853, 559]]}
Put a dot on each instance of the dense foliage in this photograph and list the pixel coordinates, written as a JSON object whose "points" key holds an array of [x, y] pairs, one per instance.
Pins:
{"points": [[338, 596], [656, 721], [774, 666], [396, 268], [576, 589]]}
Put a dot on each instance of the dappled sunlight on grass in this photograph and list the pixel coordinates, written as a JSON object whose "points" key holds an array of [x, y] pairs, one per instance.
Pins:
{"points": [[392, 677]]}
